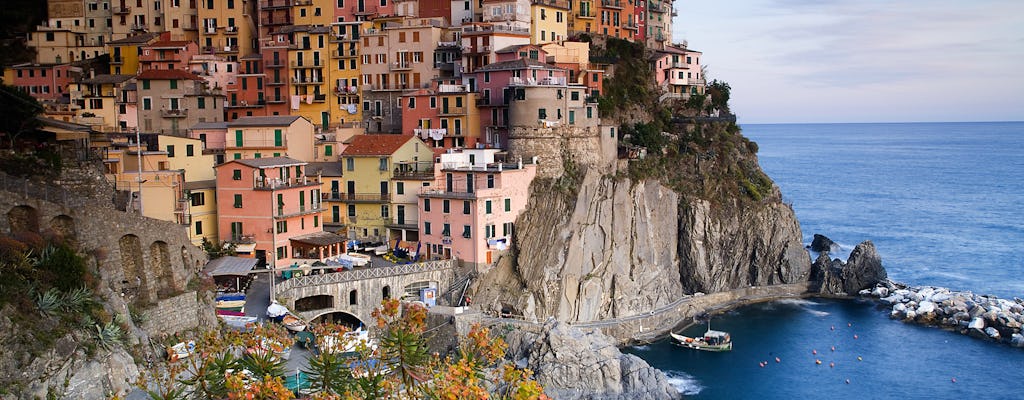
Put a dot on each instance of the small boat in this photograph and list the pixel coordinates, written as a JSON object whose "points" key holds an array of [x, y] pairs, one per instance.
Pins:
{"points": [[711, 341], [181, 350], [293, 323]]}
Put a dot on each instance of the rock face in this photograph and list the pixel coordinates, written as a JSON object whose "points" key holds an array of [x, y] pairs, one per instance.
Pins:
{"points": [[861, 271], [822, 243], [573, 364], [622, 248]]}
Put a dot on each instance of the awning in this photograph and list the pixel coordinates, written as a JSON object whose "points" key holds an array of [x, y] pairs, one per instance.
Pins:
{"points": [[230, 266], [319, 239]]}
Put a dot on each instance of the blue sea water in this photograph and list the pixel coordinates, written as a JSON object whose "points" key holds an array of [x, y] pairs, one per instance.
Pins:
{"points": [[941, 201]]}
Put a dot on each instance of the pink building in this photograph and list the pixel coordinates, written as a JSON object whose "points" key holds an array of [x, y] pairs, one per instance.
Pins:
{"points": [[494, 81], [245, 94], [363, 10], [271, 210], [470, 209], [214, 137], [167, 54], [44, 81], [678, 72]]}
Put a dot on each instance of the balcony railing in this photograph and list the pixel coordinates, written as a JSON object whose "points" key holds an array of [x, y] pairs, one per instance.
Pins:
{"points": [[452, 44], [545, 81], [494, 28], [344, 53], [315, 63], [116, 60], [448, 111], [139, 27], [269, 4], [302, 80], [401, 65], [276, 100], [285, 212], [231, 30], [174, 113], [274, 183], [402, 223], [122, 10], [415, 174], [400, 86], [241, 238], [278, 63], [365, 11], [366, 197], [611, 4]]}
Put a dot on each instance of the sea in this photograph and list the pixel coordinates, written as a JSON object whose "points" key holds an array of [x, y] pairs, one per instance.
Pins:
{"points": [[942, 204]]}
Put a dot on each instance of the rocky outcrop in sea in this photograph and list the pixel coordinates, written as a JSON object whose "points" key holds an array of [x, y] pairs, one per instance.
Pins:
{"points": [[576, 364], [980, 316], [863, 269]]}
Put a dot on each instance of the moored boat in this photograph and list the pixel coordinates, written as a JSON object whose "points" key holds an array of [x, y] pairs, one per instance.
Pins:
{"points": [[293, 323], [711, 341]]}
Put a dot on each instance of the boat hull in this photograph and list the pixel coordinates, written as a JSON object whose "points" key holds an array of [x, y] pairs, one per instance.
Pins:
{"points": [[700, 344]]}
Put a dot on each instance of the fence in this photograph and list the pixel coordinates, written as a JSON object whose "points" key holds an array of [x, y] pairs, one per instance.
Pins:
{"points": [[363, 273], [30, 189]]}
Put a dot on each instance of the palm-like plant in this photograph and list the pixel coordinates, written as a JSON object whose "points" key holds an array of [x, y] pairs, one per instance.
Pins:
{"points": [[263, 363]]}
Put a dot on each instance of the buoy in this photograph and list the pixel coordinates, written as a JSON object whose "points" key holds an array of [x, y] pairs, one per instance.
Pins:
{"points": [[954, 379], [849, 324], [777, 360], [817, 362], [832, 365], [814, 351], [847, 381], [833, 348], [761, 364], [859, 359], [854, 336], [833, 327]]}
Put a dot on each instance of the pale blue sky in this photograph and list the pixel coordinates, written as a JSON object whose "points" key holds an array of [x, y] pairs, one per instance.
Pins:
{"points": [[862, 60]]}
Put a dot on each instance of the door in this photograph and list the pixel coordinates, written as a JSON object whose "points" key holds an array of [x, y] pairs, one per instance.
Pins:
{"points": [[334, 189], [261, 255], [444, 105], [351, 186], [325, 119], [400, 214]]}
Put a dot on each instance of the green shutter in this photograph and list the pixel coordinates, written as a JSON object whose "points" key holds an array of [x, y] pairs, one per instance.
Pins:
{"points": [[508, 205], [238, 138], [328, 150], [487, 206], [278, 140]]}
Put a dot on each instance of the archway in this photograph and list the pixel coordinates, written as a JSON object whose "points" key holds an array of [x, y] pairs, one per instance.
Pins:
{"points": [[412, 290], [135, 284], [340, 317], [160, 262], [23, 219], [385, 292], [318, 302], [64, 227]]}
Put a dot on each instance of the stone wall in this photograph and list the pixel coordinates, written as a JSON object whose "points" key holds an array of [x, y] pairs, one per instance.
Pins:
{"points": [[585, 146], [178, 313]]}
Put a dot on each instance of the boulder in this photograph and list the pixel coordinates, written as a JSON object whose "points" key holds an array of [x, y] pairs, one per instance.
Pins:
{"points": [[822, 244], [977, 323], [880, 291], [926, 307], [1017, 340], [862, 270], [574, 364], [992, 332]]}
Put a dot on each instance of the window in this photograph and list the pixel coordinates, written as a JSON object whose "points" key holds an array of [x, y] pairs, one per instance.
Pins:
{"points": [[385, 211], [426, 205], [575, 95], [198, 199], [542, 113], [199, 227], [282, 226], [383, 164], [201, 103], [433, 102], [426, 228], [147, 103], [446, 206], [170, 151], [316, 221], [490, 181], [238, 156], [352, 210], [399, 187], [278, 139], [412, 103], [465, 207], [238, 201], [236, 174], [328, 150], [572, 117], [190, 150], [487, 206], [508, 205], [282, 252], [145, 84], [174, 83], [335, 214], [467, 231], [590, 113], [236, 230], [447, 231], [350, 164], [238, 138]]}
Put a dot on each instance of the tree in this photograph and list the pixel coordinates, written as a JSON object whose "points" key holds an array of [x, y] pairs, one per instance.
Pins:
{"points": [[719, 92], [20, 112]]}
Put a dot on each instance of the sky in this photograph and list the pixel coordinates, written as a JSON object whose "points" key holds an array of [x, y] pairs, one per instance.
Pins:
{"points": [[862, 60]]}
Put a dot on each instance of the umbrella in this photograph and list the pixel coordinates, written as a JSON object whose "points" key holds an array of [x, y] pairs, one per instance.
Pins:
{"points": [[418, 245], [276, 310]]}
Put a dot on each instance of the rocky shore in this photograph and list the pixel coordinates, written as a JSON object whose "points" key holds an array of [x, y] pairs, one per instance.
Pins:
{"points": [[980, 316]]}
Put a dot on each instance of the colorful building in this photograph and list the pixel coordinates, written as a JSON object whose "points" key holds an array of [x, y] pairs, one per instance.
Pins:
{"points": [[445, 117], [171, 101], [470, 210], [271, 210], [245, 94], [345, 71], [549, 20], [370, 164], [98, 97], [226, 28], [167, 54], [199, 200], [271, 136], [44, 82], [678, 72], [124, 53]]}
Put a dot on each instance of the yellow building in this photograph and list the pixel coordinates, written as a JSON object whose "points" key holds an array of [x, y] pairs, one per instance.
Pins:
{"points": [[312, 12], [332, 181], [344, 72], [124, 53], [582, 15], [162, 194], [200, 200], [369, 164], [273, 136], [227, 29], [97, 99], [549, 21], [308, 60]]}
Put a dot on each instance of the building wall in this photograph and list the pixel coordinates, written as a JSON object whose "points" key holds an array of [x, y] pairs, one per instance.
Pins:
{"points": [[222, 38], [296, 141], [549, 22], [202, 209], [167, 57], [161, 119], [197, 166]]}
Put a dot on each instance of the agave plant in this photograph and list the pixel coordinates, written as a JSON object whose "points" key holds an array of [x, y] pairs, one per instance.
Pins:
{"points": [[78, 300], [49, 302], [109, 335]]}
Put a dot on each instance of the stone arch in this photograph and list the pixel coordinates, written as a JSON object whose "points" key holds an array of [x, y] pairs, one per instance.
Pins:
{"points": [[64, 227], [160, 262], [412, 290], [340, 317], [353, 297], [385, 292], [23, 218], [135, 284], [318, 302]]}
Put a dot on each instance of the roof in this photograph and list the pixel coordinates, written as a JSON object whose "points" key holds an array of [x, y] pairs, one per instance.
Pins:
{"points": [[168, 74], [137, 39], [102, 79], [319, 238], [375, 145], [231, 266], [56, 123], [210, 125], [513, 48], [522, 63], [331, 168], [207, 184], [273, 120], [268, 162]]}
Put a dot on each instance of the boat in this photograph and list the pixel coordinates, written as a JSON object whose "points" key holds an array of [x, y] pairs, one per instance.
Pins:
{"points": [[711, 341], [293, 323], [181, 350]]}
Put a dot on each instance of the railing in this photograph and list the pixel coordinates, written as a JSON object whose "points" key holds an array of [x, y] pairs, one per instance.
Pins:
{"points": [[231, 30], [455, 193], [174, 113], [282, 212], [455, 44], [276, 20], [366, 197], [275, 4], [446, 111], [33, 190], [307, 81], [680, 65], [611, 3], [401, 86], [319, 98], [239, 238], [401, 65], [361, 274], [494, 28], [138, 27], [316, 63], [587, 15], [338, 38], [278, 63], [346, 90], [408, 223], [274, 183], [364, 11], [344, 53], [427, 174], [276, 100], [545, 81], [211, 29], [122, 10]]}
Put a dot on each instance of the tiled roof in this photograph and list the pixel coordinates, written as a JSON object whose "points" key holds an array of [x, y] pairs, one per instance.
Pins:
{"points": [[170, 43], [330, 168], [210, 125], [102, 79], [167, 74], [273, 120], [512, 48], [208, 184], [268, 162], [137, 39], [375, 145], [522, 63]]}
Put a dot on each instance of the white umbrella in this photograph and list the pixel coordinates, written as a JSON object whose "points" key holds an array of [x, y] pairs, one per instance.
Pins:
{"points": [[276, 310]]}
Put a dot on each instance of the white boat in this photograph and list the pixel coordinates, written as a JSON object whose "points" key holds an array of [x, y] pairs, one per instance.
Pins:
{"points": [[711, 341], [350, 342], [181, 350], [293, 323]]}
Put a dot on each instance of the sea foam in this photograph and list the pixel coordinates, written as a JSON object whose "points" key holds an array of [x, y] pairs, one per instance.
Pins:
{"points": [[684, 383]]}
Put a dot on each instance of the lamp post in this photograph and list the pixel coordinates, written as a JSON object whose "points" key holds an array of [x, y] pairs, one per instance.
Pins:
{"points": [[138, 153]]}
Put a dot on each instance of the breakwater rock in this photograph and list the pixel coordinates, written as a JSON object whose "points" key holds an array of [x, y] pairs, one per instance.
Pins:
{"points": [[980, 316], [573, 363], [863, 269]]}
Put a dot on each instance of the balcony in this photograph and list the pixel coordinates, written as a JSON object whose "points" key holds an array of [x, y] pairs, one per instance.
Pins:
{"points": [[302, 209], [478, 50], [586, 15], [455, 193], [631, 26], [401, 223], [231, 30], [139, 27], [451, 111], [189, 26], [372, 31], [246, 104], [276, 100], [275, 83], [366, 197], [272, 4], [494, 28], [319, 98], [302, 80], [675, 12], [546, 81], [174, 113], [401, 66], [278, 63], [344, 53], [342, 89], [449, 45], [657, 7], [364, 11], [414, 170], [210, 30], [116, 60], [276, 20], [341, 38], [241, 238], [659, 37], [122, 10], [303, 2], [315, 63], [276, 184], [400, 86], [614, 4]]}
